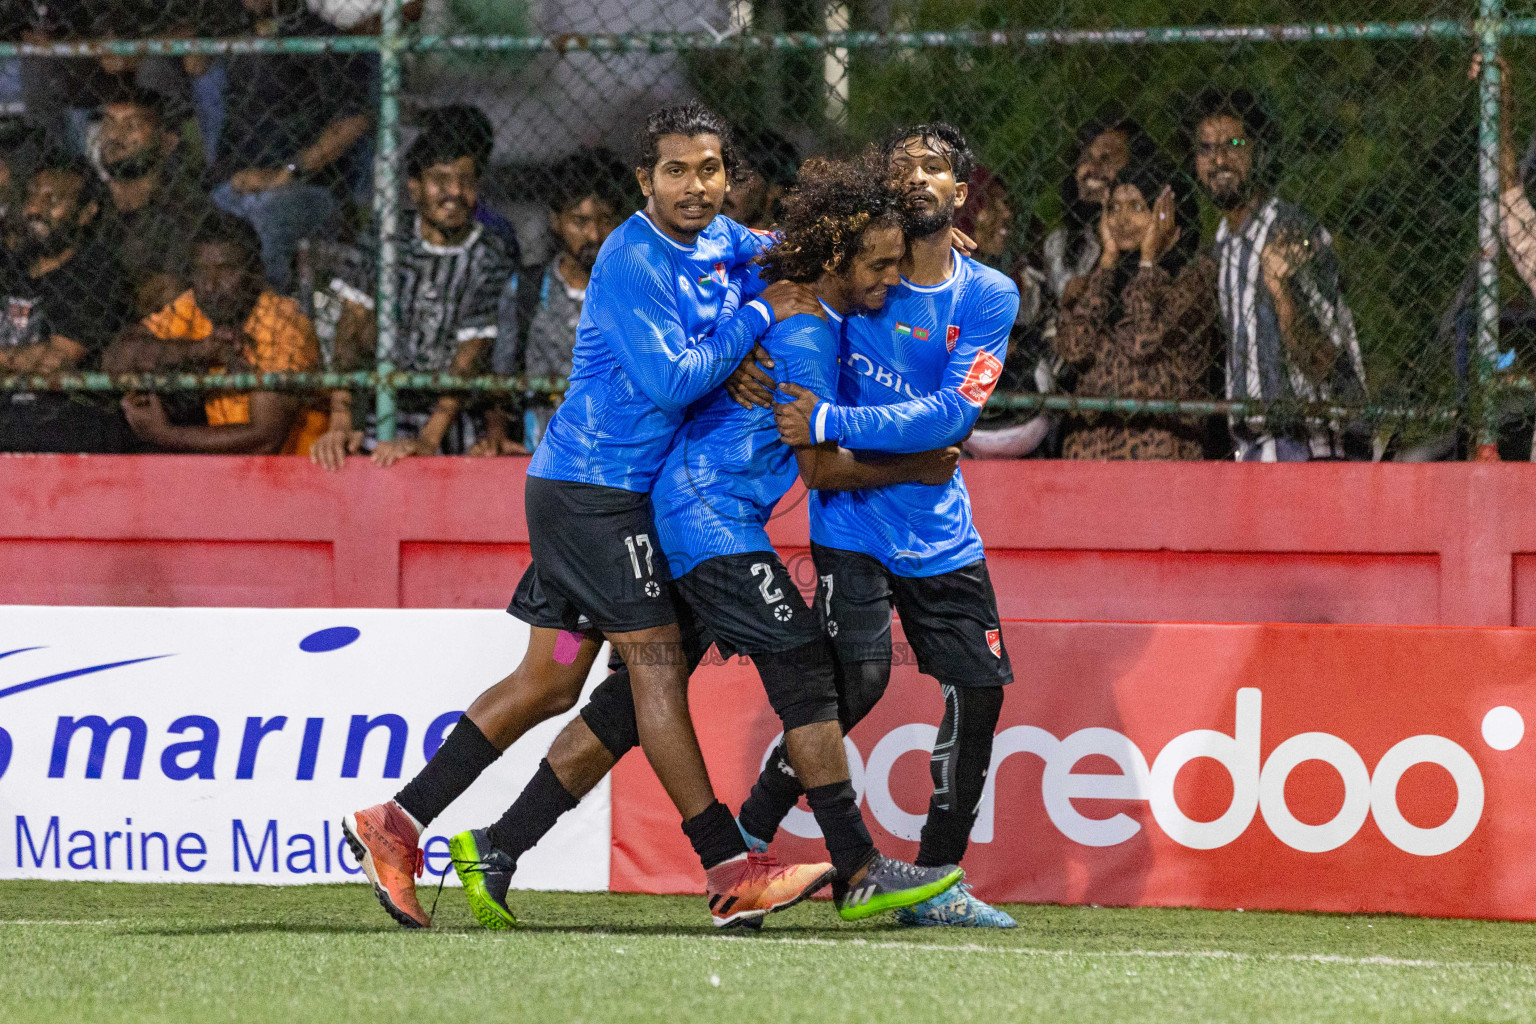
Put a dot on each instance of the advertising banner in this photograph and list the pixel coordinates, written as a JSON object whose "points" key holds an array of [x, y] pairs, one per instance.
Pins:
{"points": [[1332, 768], [224, 745]]}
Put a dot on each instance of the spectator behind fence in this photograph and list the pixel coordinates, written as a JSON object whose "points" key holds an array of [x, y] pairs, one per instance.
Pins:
{"points": [[469, 123], [1105, 146], [1517, 218], [21, 146], [156, 207], [451, 273], [541, 304], [64, 298], [989, 219], [771, 163], [361, 17], [291, 119], [226, 322], [1143, 323], [1289, 331]]}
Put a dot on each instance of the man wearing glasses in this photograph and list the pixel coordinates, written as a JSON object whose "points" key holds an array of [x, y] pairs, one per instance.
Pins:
{"points": [[1290, 334]]}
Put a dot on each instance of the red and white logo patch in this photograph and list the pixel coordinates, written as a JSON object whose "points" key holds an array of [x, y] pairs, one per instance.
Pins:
{"points": [[995, 643], [951, 336], [981, 378]]}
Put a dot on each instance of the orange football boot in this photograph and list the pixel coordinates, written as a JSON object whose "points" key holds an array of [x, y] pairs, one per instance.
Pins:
{"points": [[383, 839], [746, 888]]}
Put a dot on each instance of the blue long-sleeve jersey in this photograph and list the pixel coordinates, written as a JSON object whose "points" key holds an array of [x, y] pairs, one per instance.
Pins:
{"points": [[649, 343], [914, 377], [727, 468]]}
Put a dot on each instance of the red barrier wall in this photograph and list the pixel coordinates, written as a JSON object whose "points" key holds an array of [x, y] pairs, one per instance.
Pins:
{"points": [[1212, 542], [1447, 544], [1363, 772]]}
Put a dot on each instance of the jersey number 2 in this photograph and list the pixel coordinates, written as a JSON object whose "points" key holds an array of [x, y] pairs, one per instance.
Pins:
{"points": [[769, 596]]}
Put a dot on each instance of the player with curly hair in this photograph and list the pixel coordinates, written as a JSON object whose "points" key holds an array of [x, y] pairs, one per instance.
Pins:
{"points": [[914, 376], [726, 471]]}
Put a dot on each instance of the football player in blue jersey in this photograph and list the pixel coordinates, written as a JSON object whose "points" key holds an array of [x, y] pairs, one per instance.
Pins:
{"points": [[913, 377], [727, 470], [651, 341]]}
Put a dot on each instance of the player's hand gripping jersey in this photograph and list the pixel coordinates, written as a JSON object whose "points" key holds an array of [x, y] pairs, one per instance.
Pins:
{"points": [[727, 468], [648, 344], [914, 377]]}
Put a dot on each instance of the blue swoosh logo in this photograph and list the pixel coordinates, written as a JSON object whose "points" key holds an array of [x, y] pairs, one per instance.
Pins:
{"points": [[33, 684]]}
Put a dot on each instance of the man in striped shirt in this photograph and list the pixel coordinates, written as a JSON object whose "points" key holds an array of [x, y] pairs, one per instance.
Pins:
{"points": [[450, 277], [1290, 334]]}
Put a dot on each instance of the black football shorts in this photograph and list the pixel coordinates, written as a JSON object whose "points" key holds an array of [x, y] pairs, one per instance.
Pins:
{"points": [[950, 620], [596, 565]]}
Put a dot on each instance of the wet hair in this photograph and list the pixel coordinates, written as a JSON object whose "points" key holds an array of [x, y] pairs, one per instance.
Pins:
{"points": [[941, 138], [220, 228], [826, 215], [593, 171], [440, 144], [771, 155], [690, 119], [469, 124], [1246, 108]]}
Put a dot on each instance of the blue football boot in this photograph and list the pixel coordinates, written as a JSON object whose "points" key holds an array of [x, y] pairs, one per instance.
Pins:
{"points": [[956, 908], [754, 844]]}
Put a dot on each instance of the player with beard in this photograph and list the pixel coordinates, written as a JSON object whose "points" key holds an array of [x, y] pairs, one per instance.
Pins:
{"points": [[727, 470], [913, 377], [651, 342]]}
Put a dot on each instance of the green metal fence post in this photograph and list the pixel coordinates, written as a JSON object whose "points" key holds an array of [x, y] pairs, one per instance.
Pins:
{"points": [[386, 199], [1490, 30]]}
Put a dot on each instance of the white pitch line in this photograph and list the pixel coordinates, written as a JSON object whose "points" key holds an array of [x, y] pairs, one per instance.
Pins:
{"points": [[1148, 954], [968, 948]]}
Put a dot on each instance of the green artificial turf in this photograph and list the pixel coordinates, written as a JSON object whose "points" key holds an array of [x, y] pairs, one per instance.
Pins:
{"points": [[77, 951]]}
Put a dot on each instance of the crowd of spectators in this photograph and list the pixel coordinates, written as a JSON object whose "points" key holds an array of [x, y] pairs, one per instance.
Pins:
{"points": [[213, 215]]}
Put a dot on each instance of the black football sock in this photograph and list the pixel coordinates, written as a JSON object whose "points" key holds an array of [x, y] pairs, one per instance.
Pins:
{"points": [[837, 812], [773, 796], [532, 814], [464, 755], [713, 835], [962, 754], [946, 834]]}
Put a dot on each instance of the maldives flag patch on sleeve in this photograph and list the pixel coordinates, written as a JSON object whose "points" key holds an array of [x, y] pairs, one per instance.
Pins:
{"points": [[981, 378]]}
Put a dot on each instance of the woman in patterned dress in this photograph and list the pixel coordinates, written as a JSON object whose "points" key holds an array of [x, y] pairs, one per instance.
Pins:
{"points": [[1144, 324]]}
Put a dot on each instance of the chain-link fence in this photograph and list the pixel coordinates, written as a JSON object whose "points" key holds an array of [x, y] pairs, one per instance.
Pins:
{"points": [[424, 185]]}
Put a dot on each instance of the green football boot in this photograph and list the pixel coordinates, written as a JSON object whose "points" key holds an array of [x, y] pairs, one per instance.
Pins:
{"points": [[485, 872], [890, 884]]}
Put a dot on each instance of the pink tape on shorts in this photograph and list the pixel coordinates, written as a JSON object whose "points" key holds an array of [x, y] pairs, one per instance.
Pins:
{"points": [[567, 646]]}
